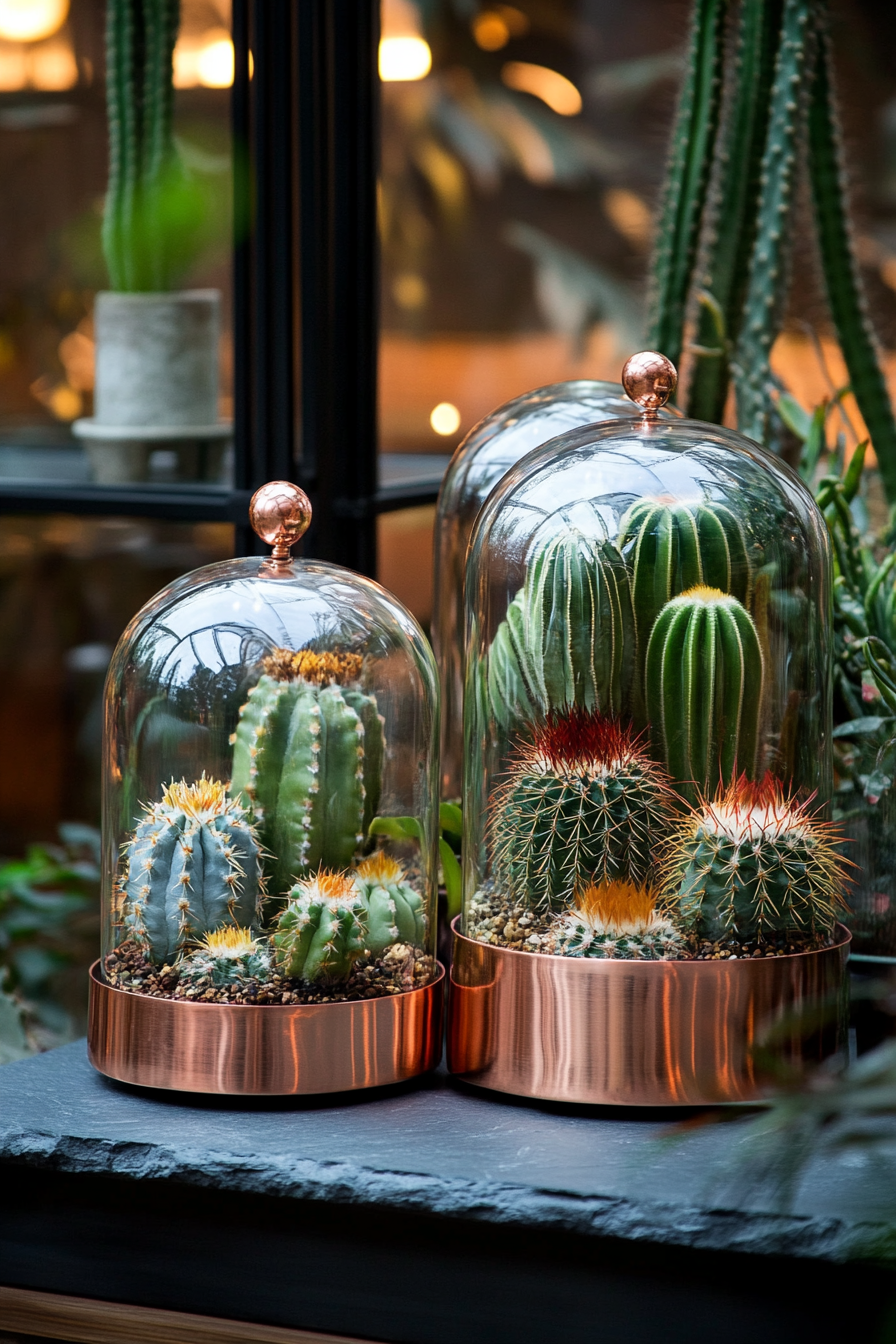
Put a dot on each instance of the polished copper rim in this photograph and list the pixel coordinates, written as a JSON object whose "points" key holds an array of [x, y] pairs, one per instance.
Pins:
{"points": [[640, 1033], [263, 1049]]}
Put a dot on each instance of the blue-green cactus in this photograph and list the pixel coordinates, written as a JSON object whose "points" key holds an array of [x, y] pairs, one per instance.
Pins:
{"points": [[226, 958], [193, 865]]}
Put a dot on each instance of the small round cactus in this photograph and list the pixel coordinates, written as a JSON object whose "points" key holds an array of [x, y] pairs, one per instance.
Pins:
{"points": [[395, 911], [752, 862], [321, 931], [226, 957], [582, 803], [617, 919], [192, 865]]}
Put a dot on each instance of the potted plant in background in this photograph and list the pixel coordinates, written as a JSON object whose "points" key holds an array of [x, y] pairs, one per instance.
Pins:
{"points": [[157, 375]]}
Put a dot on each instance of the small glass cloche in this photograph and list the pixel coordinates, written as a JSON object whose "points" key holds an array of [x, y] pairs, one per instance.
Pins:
{"points": [[270, 798], [648, 697], [490, 449]]}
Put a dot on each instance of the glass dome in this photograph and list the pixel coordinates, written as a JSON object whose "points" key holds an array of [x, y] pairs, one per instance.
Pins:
{"points": [[648, 697], [270, 792], [490, 449]]}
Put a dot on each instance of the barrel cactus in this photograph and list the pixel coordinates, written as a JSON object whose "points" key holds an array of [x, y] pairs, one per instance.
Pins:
{"points": [[228, 957], [583, 803], [568, 637], [618, 919], [674, 546], [322, 929], [754, 861], [704, 678], [308, 758], [395, 911], [193, 865]]}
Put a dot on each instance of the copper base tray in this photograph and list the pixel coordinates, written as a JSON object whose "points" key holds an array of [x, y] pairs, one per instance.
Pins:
{"points": [[267, 1050], [650, 1033]]}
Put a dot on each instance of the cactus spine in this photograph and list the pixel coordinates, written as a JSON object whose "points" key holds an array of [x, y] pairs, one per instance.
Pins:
{"points": [[704, 689], [672, 547], [226, 957], [308, 757], [321, 931], [139, 95], [617, 919], [567, 640], [192, 865], [395, 911], [754, 861], [583, 803]]}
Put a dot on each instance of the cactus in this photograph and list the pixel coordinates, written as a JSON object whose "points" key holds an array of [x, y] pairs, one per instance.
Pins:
{"points": [[582, 803], [617, 919], [752, 862], [139, 95], [321, 931], [308, 757], [395, 911], [227, 957], [704, 679], [672, 547], [192, 865], [567, 640]]}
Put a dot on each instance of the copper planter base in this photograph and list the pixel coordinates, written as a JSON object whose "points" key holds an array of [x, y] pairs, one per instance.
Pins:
{"points": [[651, 1033], [268, 1050]]}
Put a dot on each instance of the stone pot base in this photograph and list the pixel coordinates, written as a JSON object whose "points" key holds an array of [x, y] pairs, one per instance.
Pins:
{"points": [[632, 1033]]}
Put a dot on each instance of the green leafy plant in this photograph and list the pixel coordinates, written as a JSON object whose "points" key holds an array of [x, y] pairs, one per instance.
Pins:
{"points": [[727, 222]]}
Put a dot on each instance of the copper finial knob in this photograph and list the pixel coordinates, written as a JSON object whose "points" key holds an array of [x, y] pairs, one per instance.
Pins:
{"points": [[280, 513], [649, 379]]}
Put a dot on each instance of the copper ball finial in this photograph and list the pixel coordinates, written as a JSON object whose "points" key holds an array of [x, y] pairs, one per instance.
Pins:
{"points": [[280, 513], [649, 379]]}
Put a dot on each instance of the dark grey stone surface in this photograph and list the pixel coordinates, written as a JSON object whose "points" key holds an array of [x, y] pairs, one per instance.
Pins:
{"points": [[426, 1170]]}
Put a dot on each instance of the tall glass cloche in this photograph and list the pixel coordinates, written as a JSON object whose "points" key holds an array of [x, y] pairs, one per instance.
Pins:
{"points": [[490, 449], [648, 698], [270, 797]]}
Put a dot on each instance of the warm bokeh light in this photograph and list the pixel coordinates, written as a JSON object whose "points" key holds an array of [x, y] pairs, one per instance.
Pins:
{"points": [[404, 58], [445, 418], [490, 31], [630, 215], [49, 66], [560, 94], [31, 20], [205, 63], [410, 291]]}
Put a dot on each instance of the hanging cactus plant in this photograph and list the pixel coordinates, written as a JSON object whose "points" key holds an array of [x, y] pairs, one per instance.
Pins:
{"points": [[704, 678], [567, 640], [308, 758], [617, 919], [395, 910], [753, 862], [583, 803], [321, 931], [193, 865]]}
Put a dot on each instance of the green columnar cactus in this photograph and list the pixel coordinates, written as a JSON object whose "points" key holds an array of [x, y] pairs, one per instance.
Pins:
{"points": [[754, 862], [617, 919], [583, 803], [321, 932], [704, 678], [672, 547], [192, 865], [308, 757], [139, 95], [395, 911], [687, 178], [567, 640], [227, 957]]}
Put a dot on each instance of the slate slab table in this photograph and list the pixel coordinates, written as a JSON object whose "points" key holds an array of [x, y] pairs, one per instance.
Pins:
{"points": [[426, 1214]]}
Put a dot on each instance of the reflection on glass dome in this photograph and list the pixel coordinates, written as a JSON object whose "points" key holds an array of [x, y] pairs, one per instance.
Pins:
{"points": [[491, 448], [270, 791], [648, 702]]}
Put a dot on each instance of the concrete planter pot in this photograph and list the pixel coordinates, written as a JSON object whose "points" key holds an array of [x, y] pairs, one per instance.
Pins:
{"points": [[156, 386]]}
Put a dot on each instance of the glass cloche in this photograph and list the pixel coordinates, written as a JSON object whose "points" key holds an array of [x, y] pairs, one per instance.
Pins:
{"points": [[648, 698], [270, 798], [490, 449]]}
